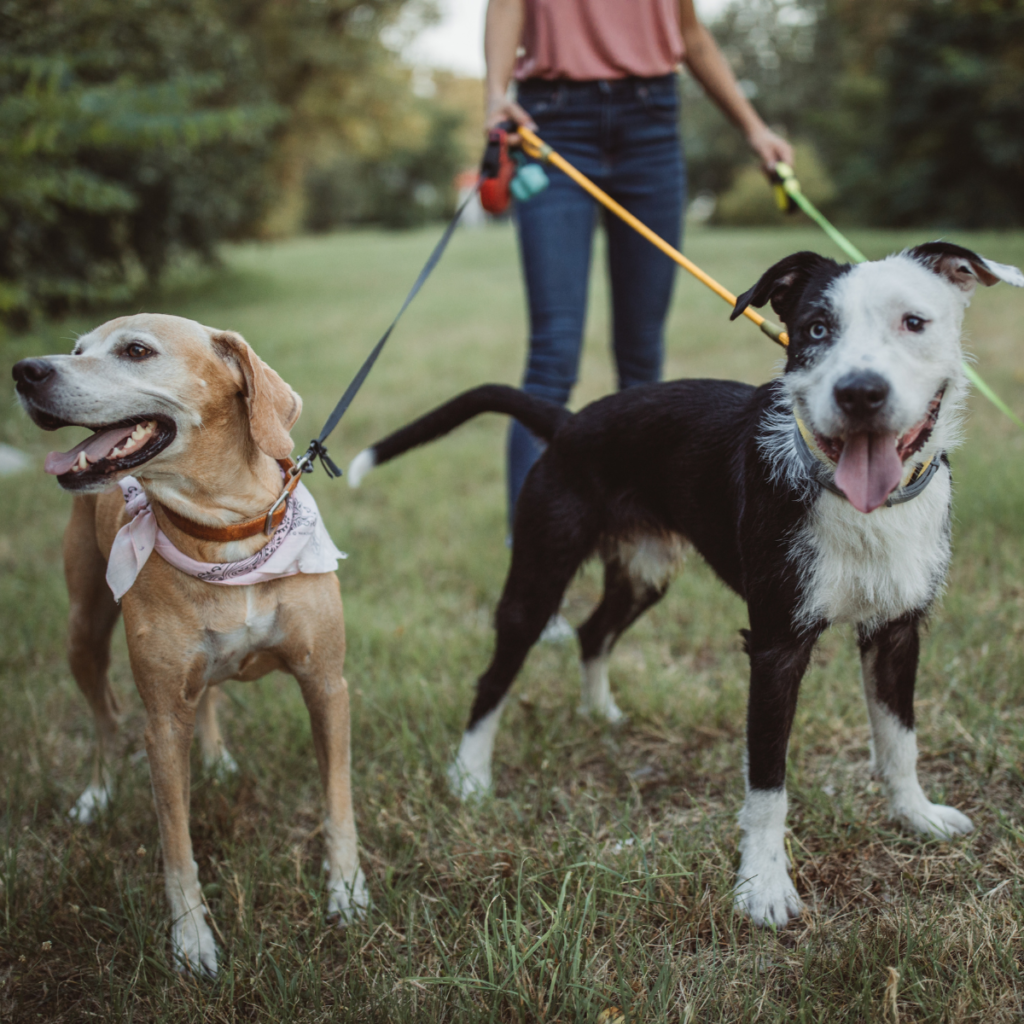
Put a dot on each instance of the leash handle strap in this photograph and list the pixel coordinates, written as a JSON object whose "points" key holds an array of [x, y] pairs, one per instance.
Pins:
{"points": [[316, 447]]}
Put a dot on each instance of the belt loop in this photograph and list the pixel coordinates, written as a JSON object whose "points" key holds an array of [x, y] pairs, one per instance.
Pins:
{"points": [[604, 86]]}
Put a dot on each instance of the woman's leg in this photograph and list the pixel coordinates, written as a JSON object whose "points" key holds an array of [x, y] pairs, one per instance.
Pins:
{"points": [[648, 177], [556, 230]]}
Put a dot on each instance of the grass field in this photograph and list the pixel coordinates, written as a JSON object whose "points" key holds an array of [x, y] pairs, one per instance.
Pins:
{"points": [[600, 874]]}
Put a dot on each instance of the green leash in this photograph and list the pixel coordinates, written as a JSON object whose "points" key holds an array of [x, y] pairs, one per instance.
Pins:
{"points": [[788, 192]]}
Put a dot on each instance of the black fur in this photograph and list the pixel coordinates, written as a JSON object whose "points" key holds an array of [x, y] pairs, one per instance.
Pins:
{"points": [[679, 459], [543, 418], [661, 459]]}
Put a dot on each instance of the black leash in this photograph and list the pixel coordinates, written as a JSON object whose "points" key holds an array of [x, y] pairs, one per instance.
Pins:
{"points": [[316, 449]]}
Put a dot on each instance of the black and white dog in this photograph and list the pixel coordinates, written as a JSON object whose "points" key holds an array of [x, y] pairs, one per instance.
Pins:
{"points": [[820, 497]]}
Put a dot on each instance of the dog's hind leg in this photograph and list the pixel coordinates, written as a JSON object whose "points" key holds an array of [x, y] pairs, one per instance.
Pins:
{"points": [[93, 613], [633, 582], [544, 560], [216, 756], [889, 668]]}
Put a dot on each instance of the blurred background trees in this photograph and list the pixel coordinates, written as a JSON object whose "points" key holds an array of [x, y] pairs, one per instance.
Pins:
{"points": [[134, 131], [912, 109]]}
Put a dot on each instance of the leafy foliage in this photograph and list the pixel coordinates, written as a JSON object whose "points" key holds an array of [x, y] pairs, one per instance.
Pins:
{"points": [[951, 148], [408, 186], [135, 130], [127, 131], [914, 106]]}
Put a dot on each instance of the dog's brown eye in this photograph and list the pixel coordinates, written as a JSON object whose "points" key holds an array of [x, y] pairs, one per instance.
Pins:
{"points": [[136, 350], [914, 323]]}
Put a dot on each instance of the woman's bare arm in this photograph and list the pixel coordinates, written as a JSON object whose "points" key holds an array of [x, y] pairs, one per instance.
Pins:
{"points": [[503, 29], [710, 68]]}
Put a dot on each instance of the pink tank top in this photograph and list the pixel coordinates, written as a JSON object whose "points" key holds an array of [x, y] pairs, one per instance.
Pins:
{"points": [[585, 39]]}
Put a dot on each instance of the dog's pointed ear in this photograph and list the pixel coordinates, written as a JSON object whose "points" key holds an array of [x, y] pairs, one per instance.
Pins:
{"points": [[273, 406], [783, 283], [962, 267]]}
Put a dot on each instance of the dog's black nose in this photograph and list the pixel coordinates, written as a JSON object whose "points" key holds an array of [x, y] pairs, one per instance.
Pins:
{"points": [[861, 393], [30, 373]]}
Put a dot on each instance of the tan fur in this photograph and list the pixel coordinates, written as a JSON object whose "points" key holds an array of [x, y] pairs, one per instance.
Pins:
{"points": [[185, 636]]}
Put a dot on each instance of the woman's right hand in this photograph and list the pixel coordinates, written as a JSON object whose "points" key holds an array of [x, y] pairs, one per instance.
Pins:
{"points": [[500, 108]]}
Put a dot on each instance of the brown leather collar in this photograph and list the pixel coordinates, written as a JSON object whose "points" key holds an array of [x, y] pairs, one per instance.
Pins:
{"points": [[266, 522]]}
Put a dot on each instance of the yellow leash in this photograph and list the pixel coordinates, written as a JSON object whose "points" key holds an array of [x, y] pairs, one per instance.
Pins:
{"points": [[540, 150]]}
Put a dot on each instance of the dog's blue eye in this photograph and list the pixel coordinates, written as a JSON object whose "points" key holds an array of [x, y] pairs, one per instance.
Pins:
{"points": [[818, 331], [914, 323]]}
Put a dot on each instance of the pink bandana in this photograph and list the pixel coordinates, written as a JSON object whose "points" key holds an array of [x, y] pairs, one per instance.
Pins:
{"points": [[301, 544]]}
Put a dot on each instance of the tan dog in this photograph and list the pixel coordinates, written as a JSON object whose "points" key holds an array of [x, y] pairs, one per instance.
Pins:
{"points": [[200, 421]]}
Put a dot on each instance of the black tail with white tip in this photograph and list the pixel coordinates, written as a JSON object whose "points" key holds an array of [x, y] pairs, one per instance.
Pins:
{"points": [[541, 417]]}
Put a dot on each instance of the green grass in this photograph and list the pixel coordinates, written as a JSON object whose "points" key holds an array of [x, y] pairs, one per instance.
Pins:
{"points": [[600, 874]]}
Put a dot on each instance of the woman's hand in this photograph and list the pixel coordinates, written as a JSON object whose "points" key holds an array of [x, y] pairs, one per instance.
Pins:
{"points": [[500, 108], [770, 148]]}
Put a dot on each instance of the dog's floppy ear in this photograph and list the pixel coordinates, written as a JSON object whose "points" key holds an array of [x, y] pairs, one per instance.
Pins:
{"points": [[963, 268], [273, 406], [783, 283]]}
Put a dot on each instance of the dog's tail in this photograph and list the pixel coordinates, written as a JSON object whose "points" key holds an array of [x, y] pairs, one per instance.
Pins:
{"points": [[539, 416]]}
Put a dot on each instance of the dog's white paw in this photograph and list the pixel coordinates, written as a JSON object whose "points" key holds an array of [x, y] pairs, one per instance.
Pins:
{"points": [[468, 783], [88, 807], [936, 820], [349, 899], [559, 630], [223, 766], [596, 700], [609, 712], [767, 896], [193, 945]]}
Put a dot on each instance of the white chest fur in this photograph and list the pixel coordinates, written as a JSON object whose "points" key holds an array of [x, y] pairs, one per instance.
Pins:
{"points": [[873, 568], [225, 650]]}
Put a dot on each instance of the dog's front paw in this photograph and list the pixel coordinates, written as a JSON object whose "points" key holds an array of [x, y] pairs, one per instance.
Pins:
{"points": [[935, 820], [468, 783], [195, 951], [767, 896], [349, 899], [88, 807], [223, 766], [606, 711]]}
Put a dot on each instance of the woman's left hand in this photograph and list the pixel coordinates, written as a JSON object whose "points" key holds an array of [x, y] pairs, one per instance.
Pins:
{"points": [[770, 148]]}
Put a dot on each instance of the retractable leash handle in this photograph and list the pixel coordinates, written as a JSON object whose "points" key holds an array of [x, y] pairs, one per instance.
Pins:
{"points": [[540, 150], [785, 178]]}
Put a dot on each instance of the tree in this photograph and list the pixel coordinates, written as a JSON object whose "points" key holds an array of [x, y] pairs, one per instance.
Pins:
{"points": [[951, 148], [133, 130], [128, 131]]}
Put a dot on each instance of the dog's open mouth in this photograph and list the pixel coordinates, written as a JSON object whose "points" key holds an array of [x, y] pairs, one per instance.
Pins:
{"points": [[869, 466], [113, 448]]}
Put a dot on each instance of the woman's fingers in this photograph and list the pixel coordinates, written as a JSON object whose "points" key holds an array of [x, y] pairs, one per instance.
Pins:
{"points": [[507, 110], [771, 148]]}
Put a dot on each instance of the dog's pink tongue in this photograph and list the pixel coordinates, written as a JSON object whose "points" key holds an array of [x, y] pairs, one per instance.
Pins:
{"points": [[95, 447], [869, 469]]}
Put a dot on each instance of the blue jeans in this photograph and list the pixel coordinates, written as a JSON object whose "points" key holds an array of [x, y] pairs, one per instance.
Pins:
{"points": [[624, 136]]}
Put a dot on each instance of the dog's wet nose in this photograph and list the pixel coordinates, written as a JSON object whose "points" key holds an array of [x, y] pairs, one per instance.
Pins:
{"points": [[861, 393], [30, 373]]}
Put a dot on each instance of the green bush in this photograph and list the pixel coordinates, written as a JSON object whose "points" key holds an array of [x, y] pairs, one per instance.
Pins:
{"points": [[751, 201], [408, 186], [128, 131]]}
